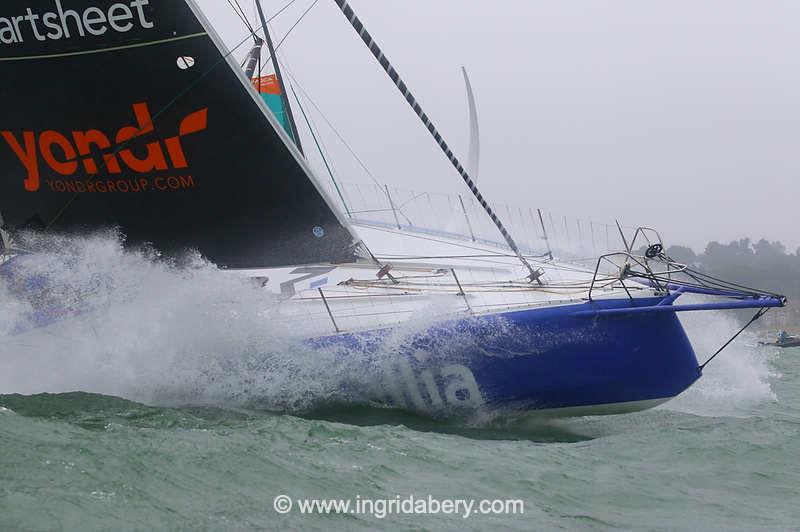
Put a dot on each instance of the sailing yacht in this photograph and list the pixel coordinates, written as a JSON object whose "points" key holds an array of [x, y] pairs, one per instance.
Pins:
{"points": [[181, 147]]}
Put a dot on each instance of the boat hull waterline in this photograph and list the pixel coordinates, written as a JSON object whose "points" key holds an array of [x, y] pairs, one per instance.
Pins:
{"points": [[546, 359], [539, 359]]}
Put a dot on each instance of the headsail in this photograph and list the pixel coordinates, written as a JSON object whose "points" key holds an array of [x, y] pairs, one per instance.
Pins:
{"points": [[132, 114]]}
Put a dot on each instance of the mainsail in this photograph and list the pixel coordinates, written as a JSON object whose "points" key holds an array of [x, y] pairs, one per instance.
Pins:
{"points": [[131, 114], [474, 161]]}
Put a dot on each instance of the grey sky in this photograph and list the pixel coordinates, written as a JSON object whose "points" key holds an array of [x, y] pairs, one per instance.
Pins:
{"points": [[680, 114]]}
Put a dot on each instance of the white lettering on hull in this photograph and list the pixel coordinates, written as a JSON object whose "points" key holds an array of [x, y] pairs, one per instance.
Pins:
{"points": [[433, 388]]}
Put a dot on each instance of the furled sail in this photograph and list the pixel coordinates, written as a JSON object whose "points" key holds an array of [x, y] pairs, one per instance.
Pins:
{"points": [[270, 90], [129, 113]]}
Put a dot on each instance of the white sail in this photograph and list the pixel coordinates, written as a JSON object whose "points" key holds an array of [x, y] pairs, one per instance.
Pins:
{"points": [[474, 160], [457, 222]]}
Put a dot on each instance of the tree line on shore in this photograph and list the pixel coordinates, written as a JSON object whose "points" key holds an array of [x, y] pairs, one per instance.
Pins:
{"points": [[763, 264]]}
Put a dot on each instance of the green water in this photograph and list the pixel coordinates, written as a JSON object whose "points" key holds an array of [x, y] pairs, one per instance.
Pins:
{"points": [[723, 457], [131, 455]]}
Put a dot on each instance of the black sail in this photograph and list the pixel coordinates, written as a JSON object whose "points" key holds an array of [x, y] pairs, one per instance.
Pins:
{"points": [[126, 113]]}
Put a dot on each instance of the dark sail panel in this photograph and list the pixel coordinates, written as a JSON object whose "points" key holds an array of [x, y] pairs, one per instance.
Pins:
{"points": [[125, 113]]}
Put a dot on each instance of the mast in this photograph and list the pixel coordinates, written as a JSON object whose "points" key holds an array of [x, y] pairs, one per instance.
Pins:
{"points": [[254, 57], [412, 101], [279, 76]]}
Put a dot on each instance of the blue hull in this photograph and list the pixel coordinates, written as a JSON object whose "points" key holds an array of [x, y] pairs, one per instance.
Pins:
{"points": [[533, 359], [584, 356]]}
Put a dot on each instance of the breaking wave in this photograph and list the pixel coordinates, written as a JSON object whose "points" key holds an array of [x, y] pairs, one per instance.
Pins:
{"points": [[174, 332], [152, 329], [182, 331], [737, 380]]}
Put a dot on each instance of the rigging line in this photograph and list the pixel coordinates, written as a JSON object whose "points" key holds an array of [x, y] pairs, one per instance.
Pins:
{"points": [[313, 127], [360, 243], [238, 10], [277, 13], [358, 26], [323, 150], [284, 95], [342, 140], [286, 35], [706, 281], [319, 148], [244, 15], [412, 199], [730, 288], [711, 278], [431, 257], [273, 17], [223, 58], [757, 315], [336, 132], [456, 244], [371, 210], [683, 282], [480, 262], [240, 13]]}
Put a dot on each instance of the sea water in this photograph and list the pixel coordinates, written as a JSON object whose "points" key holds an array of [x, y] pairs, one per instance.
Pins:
{"points": [[182, 406]]}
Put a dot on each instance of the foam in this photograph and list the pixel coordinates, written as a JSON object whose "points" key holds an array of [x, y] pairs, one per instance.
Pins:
{"points": [[159, 331], [737, 380], [162, 331]]}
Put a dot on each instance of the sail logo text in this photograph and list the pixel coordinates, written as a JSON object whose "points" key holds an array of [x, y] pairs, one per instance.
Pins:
{"points": [[65, 154], [64, 23]]}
